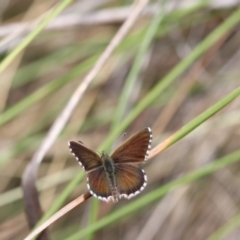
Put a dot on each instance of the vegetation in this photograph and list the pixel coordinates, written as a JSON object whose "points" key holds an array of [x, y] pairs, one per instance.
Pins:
{"points": [[175, 70]]}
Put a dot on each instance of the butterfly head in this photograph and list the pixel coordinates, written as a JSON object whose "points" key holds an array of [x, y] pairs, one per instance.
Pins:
{"points": [[105, 156]]}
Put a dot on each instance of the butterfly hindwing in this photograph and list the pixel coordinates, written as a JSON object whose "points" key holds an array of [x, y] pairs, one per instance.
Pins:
{"points": [[87, 158], [131, 180], [98, 184], [135, 149]]}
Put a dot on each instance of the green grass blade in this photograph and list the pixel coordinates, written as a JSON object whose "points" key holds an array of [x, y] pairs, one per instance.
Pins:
{"points": [[12, 55], [52, 62], [138, 62], [208, 42], [45, 91], [204, 116], [157, 194], [229, 227]]}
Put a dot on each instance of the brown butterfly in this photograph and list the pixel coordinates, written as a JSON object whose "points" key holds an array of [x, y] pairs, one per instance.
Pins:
{"points": [[119, 175]]}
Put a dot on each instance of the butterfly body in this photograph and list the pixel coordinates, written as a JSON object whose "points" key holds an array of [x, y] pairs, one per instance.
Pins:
{"points": [[109, 168], [119, 175]]}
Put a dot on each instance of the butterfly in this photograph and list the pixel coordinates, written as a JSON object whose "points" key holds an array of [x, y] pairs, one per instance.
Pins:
{"points": [[119, 175]]}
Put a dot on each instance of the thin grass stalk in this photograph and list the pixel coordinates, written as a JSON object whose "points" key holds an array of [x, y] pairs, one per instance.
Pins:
{"points": [[157, 194]]}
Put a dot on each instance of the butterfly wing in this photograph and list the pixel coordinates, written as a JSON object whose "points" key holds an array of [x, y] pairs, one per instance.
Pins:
{"points": [[87, 158], [135, 149], [98, 184], [131, 180]]}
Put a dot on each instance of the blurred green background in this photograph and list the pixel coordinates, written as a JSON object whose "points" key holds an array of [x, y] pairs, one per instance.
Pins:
{"points": [[179, 59]]}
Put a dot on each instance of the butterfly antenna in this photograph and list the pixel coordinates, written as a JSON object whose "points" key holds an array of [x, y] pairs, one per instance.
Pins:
{"points": [[117, 142]]}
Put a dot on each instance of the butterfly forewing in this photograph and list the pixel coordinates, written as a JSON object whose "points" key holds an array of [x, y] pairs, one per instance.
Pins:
{"points": [[98, 184], [88, 159], [135, 149], [131, 180]]}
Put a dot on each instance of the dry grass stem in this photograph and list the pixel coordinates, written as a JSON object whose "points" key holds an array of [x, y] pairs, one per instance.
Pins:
{"points": [[58, 215]]}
